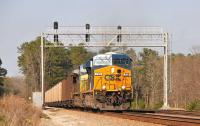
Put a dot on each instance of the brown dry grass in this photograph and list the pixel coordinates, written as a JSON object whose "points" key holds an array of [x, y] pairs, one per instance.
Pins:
{"points": [[16, 111]]}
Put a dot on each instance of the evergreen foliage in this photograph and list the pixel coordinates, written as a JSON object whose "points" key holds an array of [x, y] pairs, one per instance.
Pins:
{"points": [[3, 73], [58, 63]]}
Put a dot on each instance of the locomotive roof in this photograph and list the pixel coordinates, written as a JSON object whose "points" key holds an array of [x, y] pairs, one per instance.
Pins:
{"points": [[111, 54], [106, 57]]}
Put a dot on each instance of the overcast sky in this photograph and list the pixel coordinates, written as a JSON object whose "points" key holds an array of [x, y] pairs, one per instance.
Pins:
{"points": [[23, 20]]}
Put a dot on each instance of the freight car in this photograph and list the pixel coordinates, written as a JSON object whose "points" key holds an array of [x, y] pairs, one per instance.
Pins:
{"points": [[104, 82]]}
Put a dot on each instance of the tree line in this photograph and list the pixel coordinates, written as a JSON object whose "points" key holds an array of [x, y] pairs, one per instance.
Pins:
{"points": [[58, 63], [147, 69]]}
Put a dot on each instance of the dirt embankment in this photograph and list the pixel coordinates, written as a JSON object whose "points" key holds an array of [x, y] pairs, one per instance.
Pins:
{"points": [[16, 111]]}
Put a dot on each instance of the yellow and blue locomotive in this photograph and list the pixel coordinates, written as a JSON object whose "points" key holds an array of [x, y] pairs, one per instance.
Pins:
{"points": [[105, 82]]}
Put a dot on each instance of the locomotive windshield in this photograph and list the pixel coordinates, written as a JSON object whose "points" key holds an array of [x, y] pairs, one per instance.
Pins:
{"points": [[122, 60], [108, 59], [102, 60]]}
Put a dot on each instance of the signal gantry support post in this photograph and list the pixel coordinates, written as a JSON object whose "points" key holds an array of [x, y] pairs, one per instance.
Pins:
{"points": [[42, 69], [165, 78], [101, 36]]}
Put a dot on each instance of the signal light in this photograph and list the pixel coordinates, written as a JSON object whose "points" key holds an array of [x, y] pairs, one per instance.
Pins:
{"points": [[119, 27], [119, 37], [55, 38], [55, 25], [87, 26], [87, 37]]}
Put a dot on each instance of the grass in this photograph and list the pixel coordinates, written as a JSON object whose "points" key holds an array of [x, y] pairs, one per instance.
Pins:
{"points": [[45, 116], [16, 111], [193, 106], [2, 121], [140, 104]]}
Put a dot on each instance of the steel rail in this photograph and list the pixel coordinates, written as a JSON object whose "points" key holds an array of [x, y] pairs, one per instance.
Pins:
{"points": [[158, 119]]}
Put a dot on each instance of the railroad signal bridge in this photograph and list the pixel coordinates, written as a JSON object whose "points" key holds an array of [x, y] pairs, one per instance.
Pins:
{"points": [[101, 36]]}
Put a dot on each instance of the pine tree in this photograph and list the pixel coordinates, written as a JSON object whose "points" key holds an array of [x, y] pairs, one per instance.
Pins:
{"points": [[3, 73]]}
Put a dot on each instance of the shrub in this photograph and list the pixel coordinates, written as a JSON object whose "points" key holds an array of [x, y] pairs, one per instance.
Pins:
{"points": [[194, 106], [158, 105], [16, 111], [2, 121], [141, 104]]}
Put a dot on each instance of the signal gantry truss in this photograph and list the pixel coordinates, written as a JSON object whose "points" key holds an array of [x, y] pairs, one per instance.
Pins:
{"points": [[100, 36]]}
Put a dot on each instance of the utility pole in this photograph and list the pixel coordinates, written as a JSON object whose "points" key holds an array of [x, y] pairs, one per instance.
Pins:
{"points": [[42, 69]]}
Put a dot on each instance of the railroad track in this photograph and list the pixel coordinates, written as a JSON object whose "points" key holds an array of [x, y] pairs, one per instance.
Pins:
{"points": [[179, 112], [170, 118], [159, 118]]}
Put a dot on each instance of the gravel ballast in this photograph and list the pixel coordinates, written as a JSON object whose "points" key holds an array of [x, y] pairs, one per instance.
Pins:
{"points": [[64, 117]]}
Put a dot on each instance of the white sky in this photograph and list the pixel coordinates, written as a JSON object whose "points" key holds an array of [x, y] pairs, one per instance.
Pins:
{"points": [[23, 20]]}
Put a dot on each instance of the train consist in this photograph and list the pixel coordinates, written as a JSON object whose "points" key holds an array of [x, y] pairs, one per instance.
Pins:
{"points": [[104, 82]]}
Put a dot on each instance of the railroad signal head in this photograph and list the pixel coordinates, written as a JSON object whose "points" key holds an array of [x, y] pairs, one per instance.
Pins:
{"points": [[119, 38], [87, 37], [87, 26], [119, 27], [55, 38], [55, 25]]}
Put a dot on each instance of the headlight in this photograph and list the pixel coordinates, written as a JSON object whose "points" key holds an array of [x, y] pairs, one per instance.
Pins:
{"points": [[103, 87], [126, 74], [98, 74], [112, 70], [123, 87]]}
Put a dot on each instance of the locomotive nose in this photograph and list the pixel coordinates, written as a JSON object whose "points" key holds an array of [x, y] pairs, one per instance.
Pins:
{"points": [[118, 75]]}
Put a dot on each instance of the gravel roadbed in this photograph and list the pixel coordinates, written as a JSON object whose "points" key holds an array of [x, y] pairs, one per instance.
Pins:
{"points": [[64, 117]]}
